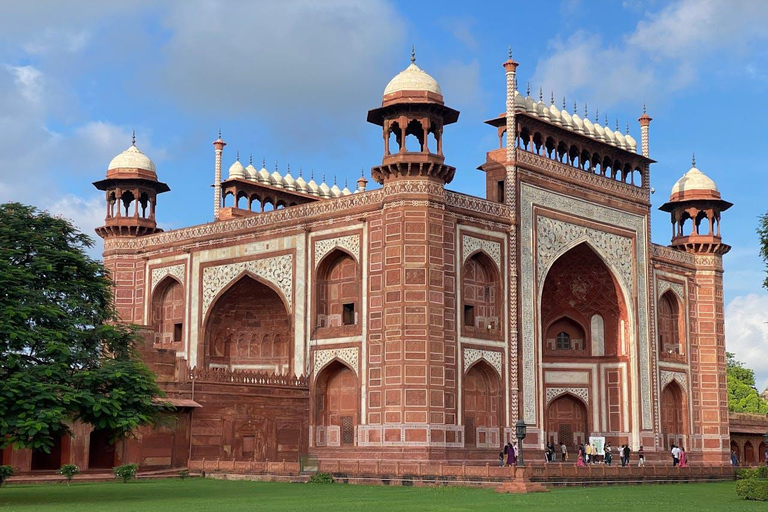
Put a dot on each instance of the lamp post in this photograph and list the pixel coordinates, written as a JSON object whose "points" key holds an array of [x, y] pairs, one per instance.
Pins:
{"points": [[520, 429]]}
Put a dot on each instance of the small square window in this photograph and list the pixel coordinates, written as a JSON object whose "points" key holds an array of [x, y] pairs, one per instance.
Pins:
{"points": [[349, 314], [469, 315], [177, 332]]}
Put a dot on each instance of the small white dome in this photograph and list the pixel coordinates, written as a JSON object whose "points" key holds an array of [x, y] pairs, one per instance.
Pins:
{"points": [[578, 124], [335, 191], [610, 136], [631, 144], [236, 170], [599, 132], [132, 158], [566, 118], [519, 100], [413, 78], [530, 105], [554, 115], [345, 191], [312, 187], [276, 179], [589, 128], [301, 185], [251, 172], [263, 175], [694, 179], [543, 110], [288, 182], [323, 190], [621, 141]]}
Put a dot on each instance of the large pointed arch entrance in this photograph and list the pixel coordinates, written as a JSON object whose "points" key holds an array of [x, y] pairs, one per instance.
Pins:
{"points": [[249, 328], [567, 421], [337, 402]]}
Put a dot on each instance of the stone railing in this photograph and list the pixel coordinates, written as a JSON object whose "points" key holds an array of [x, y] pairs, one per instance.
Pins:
{"points": [[246, 377]]}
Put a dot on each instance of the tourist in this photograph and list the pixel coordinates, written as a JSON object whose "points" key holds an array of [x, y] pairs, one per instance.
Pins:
{"points": [[640, 457], [563, 451], [501, 458], [683, 458], [515, 451], [734, 458], [621, 454], [608, 455], [626, 453], [594, 454], [551, 451], [509, 455], [675, 455], [588, 453], [580, 458]]}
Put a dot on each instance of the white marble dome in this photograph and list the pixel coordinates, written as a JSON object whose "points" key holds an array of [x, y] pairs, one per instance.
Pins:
{"points": [[251, 172], [236, 170], [694, 179], [132, 158], [413, 78]]}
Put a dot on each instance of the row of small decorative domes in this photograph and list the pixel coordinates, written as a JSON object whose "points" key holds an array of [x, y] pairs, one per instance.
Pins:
{"points": [[287, 182], [574, 123]]}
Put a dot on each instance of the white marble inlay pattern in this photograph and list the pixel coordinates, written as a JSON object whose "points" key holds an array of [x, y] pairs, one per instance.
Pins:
{"points": [[348, 355], [677, 288], [277, 270], [349, 242], [176, 271], [553, 393], [471, 244], [471, 355], [667, 376]]}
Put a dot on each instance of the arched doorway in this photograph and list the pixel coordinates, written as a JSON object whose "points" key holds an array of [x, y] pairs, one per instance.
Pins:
{"points": [[672, 415], [761, 453], [249, 329], [168, 314], [481, 297], [101, 450], [749, 453], [670, 327], [567, 421], [735, 449], [337, 292], [482, 406], [337, 403], [58, 455]]}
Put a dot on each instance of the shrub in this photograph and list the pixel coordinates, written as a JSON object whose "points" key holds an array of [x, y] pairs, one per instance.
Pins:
{"points": [[68, 471], [5, 472], [760, 472], [321, 478], [183, 474], [752, 489], [126, 471]]}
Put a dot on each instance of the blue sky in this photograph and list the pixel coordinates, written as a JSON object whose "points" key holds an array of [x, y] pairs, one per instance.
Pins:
{"points": [[291, 81]]}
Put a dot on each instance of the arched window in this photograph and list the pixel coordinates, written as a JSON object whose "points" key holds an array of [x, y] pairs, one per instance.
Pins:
{"points": [[338, 291], [481, 297], [563, 341], [670, 327]]}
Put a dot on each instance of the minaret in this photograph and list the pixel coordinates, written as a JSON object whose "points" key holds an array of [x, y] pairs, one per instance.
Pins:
{"points": [[219, 145], [695, 201], [645, 124], [361, 182]]}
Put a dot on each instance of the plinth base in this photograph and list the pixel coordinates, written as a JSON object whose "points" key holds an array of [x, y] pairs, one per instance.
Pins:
{"points": [[521, 484]]}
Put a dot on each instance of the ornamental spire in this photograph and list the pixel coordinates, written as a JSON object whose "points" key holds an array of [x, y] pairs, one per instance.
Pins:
{"points": [[693, 160], [133, 138], [413, 54]]}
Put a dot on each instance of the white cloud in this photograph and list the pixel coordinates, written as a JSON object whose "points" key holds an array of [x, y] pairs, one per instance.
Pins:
{"points": [[746, 333], [462, 29], [665, 52], [29, 81]]}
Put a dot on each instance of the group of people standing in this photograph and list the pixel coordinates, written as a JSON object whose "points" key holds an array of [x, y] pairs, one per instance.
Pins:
{"points": [[551, 452], [679, 458], [589, 454], [508, 456]]}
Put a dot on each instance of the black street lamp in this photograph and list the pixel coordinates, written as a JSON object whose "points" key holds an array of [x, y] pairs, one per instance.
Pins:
{"points": [[520, 429]]}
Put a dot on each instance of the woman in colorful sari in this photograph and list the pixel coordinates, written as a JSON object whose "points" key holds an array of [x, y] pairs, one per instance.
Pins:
{"points": [[683, 458], [580, 458]]}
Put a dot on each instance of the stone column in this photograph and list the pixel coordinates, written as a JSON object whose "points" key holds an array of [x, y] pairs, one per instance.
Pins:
{"points": [[219, 145]]}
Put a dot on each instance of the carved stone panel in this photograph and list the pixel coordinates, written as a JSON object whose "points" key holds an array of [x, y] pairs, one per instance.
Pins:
{"points": [[277, 270], [177, 271], [348, 355], [677, 288], [350, 242], [471, 244], [553, 393], [666, 376], [471, 355]]}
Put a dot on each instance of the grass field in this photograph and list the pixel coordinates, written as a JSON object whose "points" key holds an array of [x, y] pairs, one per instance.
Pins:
{"points": [[197, 495]]}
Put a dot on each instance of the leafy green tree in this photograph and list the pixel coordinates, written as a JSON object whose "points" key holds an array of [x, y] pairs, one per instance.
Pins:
{"points": [[63, 356], [742, 393], [762, 231]]}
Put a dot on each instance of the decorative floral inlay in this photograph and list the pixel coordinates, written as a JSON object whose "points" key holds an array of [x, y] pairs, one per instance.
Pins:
{"points": [[471, 244], [176, 271], [349, 355], [277, 270], [663, 286], [472, 354], [582, 393], [667, 376], [350, 243], [553, 235]]}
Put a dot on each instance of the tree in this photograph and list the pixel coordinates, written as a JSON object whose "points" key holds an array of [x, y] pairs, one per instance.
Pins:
{"points": [[742, 393], [63, 355], [762, 231]]}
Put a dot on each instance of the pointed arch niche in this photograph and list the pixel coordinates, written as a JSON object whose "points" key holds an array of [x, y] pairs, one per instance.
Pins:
{"points": [[481, 296], [583, 311], [337, 294], [482, 404], [671, 327], [673, 415], [337, 405], [249, 328], [168, 308]]}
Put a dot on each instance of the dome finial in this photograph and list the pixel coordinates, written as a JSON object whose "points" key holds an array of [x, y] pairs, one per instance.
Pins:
{"points": [[586, 111], [289, 169], [250, 159], [133, 138], [510, 52], [597, 115], [275, 164], [219, 133], [413, 54], [627, 129], [617, 124], [238, 156], [541, 94], [644, 111], [693, 160], [362, 169], [575, 108], [563, 102], [606, 120], [552, 97], [263, 162], [528, 89]]}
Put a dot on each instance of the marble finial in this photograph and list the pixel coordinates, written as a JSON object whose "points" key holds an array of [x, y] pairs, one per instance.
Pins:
{"points": [[413, 54], [693, 160], [133, 138]]}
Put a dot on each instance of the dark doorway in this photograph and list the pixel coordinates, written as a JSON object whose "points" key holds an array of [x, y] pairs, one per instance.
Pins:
{"points": [[101, 453]]}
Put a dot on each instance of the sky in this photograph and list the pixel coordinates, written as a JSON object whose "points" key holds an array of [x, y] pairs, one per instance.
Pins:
{"points": [[290, 81]]}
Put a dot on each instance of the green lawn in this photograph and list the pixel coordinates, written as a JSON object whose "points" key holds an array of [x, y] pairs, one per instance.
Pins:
{"points": [[195, 495]]}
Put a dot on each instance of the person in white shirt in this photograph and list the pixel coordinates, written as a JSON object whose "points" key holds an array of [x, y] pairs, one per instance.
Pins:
{"points": [[675, 455]]}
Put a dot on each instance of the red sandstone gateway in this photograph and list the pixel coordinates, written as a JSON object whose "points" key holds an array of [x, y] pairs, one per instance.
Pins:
{"points": [[414, 323]]}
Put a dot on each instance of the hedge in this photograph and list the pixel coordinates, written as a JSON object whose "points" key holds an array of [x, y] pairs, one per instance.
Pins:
{"points": [[752, 489]]}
